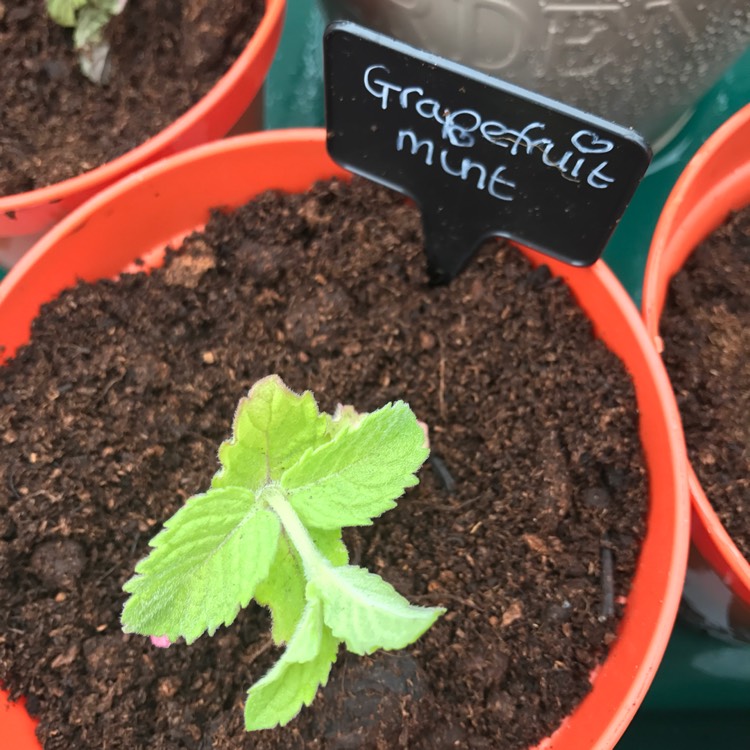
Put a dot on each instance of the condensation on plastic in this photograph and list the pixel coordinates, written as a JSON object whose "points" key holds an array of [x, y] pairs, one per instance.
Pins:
{"points": [[639, 63]]}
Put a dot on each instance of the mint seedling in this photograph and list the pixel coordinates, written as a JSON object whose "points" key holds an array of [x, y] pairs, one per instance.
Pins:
{"points": [[88, 19], [269, 529]]}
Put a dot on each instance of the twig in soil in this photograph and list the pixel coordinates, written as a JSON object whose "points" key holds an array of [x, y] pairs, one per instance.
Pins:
{"points": [[82, 350], [442, 473], [12, 485], [109, 386], [135, 544], [262, 648], [448, 508], [440, 595], [46, 495], [106, 574], [441, 381], [608, 583]]}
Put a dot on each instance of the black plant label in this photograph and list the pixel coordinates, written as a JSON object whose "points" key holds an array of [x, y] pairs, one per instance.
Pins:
{"points": [[479, 156]]}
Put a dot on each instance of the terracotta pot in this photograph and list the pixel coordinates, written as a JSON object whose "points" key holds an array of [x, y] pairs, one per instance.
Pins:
{"points": [[715, 182], [25, 215], [173, 198]]}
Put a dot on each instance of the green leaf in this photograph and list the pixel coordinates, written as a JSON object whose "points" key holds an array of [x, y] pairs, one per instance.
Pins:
{"points": [[90, 26], [305, 643], [204, 566], [367, 613], [271, 527], [273, 427], [294, 680], [283, 591], [64, 11], [359, 474], [113, 7], [344, 417], [331, 545]]}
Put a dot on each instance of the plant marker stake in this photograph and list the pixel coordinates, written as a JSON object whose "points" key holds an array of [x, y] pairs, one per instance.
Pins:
{"points": [[480, 157]]}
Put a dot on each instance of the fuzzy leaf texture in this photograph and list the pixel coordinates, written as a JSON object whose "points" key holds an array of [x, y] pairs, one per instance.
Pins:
{"points": [[272, 428], [283, 592], [270, 528], [89, 20], [294, 680], [358, 475], [64, 12], [366, 612], [90, 26], [87, 17], [203, 568]]}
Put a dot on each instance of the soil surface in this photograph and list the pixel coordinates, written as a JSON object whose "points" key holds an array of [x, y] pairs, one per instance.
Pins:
{"points": [[536, 489], [706, 332], [56, 124]]}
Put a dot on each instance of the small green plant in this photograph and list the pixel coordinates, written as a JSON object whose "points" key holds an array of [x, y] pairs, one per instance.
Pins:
{"points": [[88, 19], [269, 528]]}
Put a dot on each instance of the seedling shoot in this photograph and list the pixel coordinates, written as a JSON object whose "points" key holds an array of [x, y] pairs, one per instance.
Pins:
{"points": [[269, 528], [88, 19]]}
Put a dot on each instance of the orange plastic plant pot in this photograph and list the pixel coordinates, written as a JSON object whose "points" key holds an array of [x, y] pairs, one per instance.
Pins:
{"points": [[165, 201], [210, 118], [715, 183]]}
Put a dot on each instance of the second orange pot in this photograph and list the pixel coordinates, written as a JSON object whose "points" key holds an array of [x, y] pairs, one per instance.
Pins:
{"points": [[27, 214], [715, 183]]}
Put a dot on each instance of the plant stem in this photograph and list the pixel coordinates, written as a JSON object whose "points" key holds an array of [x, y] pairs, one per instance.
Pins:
{"points": [[312, 559]]}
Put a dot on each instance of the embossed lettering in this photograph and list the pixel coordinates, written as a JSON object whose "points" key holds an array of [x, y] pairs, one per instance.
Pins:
{"points": [[577, 44]]}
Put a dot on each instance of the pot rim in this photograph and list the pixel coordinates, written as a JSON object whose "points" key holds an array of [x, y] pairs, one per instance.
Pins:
{"points": [[297, 158], [259, 49], [715, 182]]}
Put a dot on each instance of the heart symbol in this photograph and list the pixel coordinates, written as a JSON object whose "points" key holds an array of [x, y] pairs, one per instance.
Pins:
{"points": [[595, 144]]}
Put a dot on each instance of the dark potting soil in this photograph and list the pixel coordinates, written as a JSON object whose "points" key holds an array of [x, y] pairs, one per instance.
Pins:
{"points": [[113, 414], [706, 332], [56, 124]]}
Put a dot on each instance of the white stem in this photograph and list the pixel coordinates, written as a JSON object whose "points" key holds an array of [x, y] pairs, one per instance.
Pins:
{"points": [[312, 559]]}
